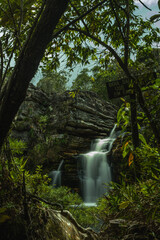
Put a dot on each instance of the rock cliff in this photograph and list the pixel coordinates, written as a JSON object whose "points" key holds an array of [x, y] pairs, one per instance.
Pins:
{"points": [[60, 127]]}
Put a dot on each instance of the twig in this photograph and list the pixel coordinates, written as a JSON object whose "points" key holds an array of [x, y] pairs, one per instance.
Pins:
{"points": [[8, 64], [145, 5], [45, 201]]}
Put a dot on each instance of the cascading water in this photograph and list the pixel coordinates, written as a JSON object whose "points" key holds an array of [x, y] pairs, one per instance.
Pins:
{"points": [[56, 176], [95, 172]]}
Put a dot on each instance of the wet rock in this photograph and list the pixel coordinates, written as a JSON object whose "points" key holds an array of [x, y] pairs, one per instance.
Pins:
{"points": [[60, 127]]}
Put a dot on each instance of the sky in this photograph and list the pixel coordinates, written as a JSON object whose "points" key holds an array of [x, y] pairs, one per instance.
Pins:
{"points": [[140, 11], [147, 2]]}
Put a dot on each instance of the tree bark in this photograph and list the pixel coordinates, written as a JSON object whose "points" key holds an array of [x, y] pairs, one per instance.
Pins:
{"points": [[14, 91], [134, 125]]}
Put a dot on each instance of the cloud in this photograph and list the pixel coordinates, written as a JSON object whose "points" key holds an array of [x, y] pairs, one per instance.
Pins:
{"points": [[147, 2]]}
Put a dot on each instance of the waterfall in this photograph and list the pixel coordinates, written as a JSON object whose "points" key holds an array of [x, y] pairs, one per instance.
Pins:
{"points": [[95, 172], [56, 176]]}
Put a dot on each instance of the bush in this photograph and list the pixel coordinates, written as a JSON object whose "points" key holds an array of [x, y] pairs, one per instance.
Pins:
{"points": [[139, 202]]}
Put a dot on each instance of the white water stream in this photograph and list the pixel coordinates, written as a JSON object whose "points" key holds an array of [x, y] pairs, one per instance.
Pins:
{"points": [[56, 176], [95, 170]]}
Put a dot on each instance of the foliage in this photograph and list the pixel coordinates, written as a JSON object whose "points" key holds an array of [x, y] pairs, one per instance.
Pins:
{"points": [[148, 159], [53, 82], [83, 81], [107, 28], [132, 202], [16, 19], [95, 79], [156, 17], [86, 216], [89, 38], [123, 116], [143, 162], [37, 184]]}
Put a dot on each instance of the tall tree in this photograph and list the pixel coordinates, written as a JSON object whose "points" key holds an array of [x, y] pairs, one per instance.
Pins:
{"points": [[53, 82], [115, 31], [27, 28], [13, 91]]}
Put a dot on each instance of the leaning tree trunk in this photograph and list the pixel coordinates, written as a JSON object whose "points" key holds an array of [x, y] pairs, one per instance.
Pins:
{"points": [[15, 90]]}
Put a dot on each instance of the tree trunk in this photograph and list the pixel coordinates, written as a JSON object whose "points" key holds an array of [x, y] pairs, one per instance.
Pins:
{"points": [[134, 125], [15, 90]]}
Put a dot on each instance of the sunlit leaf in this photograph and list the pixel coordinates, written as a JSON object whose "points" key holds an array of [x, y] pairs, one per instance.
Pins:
{"points": [[4, 218], [124, 205], [130, 159]]}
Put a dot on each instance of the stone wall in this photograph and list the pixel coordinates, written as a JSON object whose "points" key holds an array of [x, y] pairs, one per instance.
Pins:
{"points": [[60, 127]]}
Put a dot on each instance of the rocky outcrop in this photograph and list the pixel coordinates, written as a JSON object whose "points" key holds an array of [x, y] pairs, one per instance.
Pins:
{"points": [[63, 226], [60, 126]]}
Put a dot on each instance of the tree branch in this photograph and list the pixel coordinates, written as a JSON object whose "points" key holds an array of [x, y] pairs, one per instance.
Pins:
{"points": [[14, 23], [8, 64], [145, 5], [117, 19], [126, 42], [23, 49], [27, 64], [39, 199], [119, 6], [77, 19], [75, 9], [109, 48], [21, 17]]}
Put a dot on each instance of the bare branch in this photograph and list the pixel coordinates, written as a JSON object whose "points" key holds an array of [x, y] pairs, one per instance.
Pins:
{"points": [[145, 5]]}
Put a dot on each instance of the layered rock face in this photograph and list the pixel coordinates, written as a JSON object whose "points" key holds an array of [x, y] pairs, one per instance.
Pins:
{"points": [[60, 127]]}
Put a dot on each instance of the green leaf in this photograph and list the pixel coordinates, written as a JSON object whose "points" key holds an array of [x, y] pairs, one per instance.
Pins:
{"points": [[124, 205], [2, 210], [4, 218], [154, 17], [142, 139]]}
